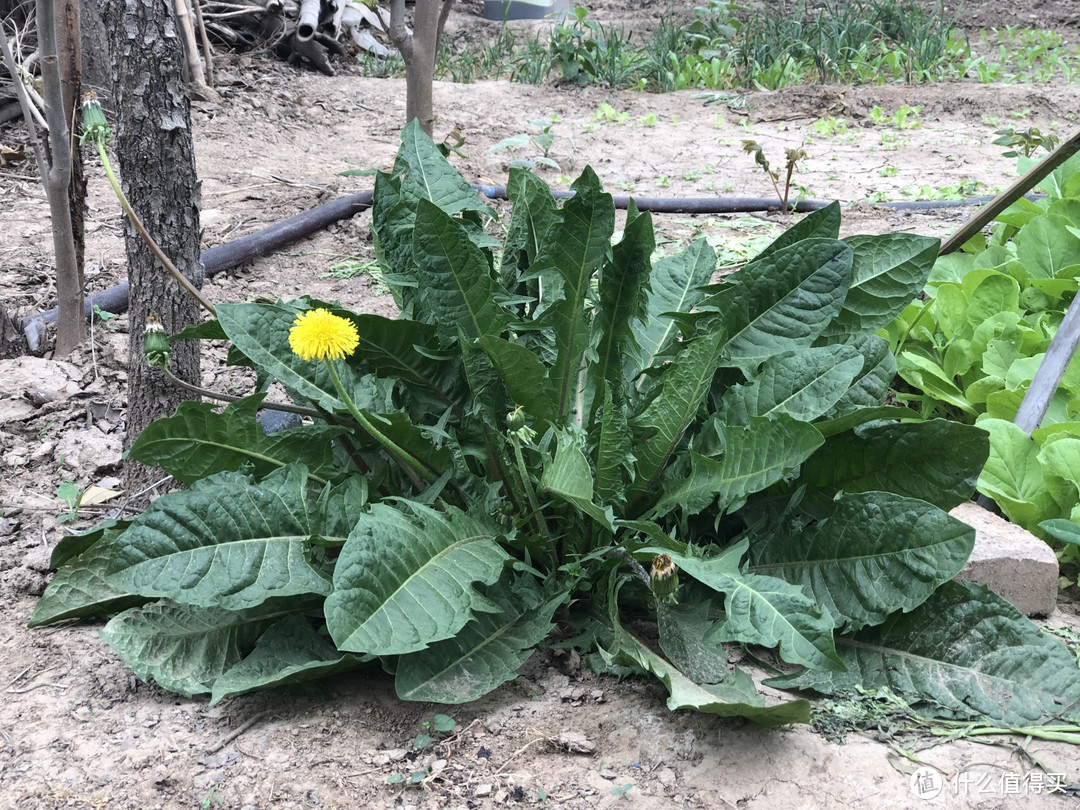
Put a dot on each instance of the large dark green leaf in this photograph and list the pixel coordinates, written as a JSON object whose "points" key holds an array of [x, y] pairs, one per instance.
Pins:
{"points": [[675, 286], [290, 651], [784, 301], [612, 445], [966, 650], [870, 387], [821, 224], [804, 384], [937, 461], [875, 554], [762, 609], [456, 285], [186, 648], [426, 175], [197, 442], [404, 349], [888, 272], [535, 213], [79, 590], [682, 630], [72, 545], [681, 390], [485, 653], [228, 542], [755, 456], [525, 377], [404, 581]]}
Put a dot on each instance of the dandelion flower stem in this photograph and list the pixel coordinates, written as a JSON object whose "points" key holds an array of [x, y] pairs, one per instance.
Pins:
{"points": [[412, 466], [147, 238]]}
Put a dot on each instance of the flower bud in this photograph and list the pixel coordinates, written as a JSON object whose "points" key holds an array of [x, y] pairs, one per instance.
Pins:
{"points": [[155, 342], [663, 578], [95, 124]]}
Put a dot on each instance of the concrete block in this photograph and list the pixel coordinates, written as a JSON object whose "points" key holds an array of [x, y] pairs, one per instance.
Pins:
{"points": [[1010, 561]]}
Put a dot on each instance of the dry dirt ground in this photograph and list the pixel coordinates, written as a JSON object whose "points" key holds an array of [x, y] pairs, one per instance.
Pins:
{"points": [[78, 730]]}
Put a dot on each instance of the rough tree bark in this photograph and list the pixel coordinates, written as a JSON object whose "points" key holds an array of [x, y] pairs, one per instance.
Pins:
{"points": [[157, 167], [418, 50]]}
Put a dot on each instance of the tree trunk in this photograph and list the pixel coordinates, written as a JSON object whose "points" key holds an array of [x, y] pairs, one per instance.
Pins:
{"points": [[69, 43], [418, 50], [157, 166]]}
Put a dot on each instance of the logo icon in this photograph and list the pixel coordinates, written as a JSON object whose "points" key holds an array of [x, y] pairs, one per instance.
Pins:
{"points": [[926, 783]]}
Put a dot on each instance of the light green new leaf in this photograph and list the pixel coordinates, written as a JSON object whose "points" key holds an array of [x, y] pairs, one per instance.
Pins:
{"points": [[1045, 246], [754, 456], [875, 554], [290, 651], [197, 442], [485, 653], [783, 302], [888, 271], [568, 476], [456, 288], [735, 696], [928, 376], [1013, 475], [682, 387], [965, 649], [228, 542], [938, 461], [762, 610], [405, 580], [80, 591], [804, 384], [675, 286], [187, 648]]}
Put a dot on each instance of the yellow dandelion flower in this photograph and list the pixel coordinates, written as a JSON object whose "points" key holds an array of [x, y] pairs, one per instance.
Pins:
{"points": [[319, 334]]}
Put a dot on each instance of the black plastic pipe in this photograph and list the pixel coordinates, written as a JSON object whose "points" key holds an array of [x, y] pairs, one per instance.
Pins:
{"points": [[273, 237]]}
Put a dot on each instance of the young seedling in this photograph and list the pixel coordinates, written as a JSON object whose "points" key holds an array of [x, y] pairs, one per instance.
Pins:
{"points": [[1025, 141], [542, 141], [792, 157]]}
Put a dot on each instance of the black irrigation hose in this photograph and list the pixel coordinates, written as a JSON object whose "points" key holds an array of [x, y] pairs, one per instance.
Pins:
{"points": [[260, 243]]}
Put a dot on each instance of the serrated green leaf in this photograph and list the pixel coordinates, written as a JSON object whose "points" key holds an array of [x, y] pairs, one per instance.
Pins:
{"points": [[456, 286], [870, 387], [681, 389], [403, 349], [755, 456], [79, 590], [187, 648], [964, 650], [289, 651], [888, 271], [485, 653], [404, 581], [804, 384], [938, 461], [876, 553], [761, 609], [228, 542], [612, 446], [425, 174], [675, 286], [577, 247], [197, 442], [783, 302], [535, 213]]}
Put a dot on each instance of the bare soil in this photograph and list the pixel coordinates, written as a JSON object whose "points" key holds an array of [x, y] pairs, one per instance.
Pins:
{"points": [[78, 730]]}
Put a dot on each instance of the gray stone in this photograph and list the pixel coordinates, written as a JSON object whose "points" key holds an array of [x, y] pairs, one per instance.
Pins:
{"points": [[1010, 561]]}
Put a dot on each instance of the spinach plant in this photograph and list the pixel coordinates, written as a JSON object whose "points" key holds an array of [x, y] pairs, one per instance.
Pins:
{"points": [[558, 429], [970, 348]]}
